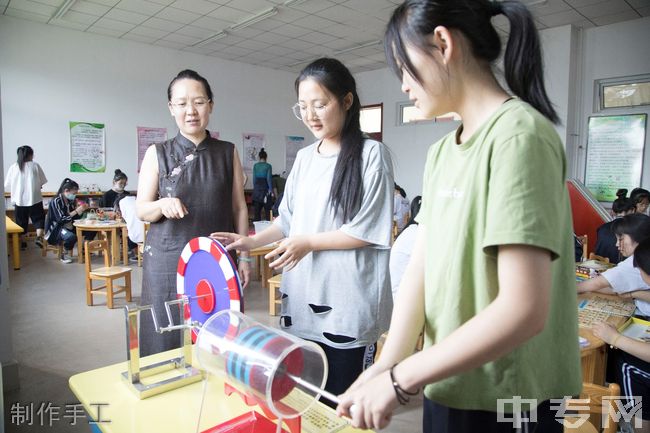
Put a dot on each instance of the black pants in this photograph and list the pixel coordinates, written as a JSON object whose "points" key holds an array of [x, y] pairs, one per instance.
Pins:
{"points": [[34, 212], [345, 365], [442, 419], [257, 210]]}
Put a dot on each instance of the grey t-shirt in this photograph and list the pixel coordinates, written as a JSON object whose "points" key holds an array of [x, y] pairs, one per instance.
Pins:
{"points": [[341, 298]]}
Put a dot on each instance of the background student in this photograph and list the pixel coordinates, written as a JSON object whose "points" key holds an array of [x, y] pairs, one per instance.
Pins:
{"points": [[191, 185], [400, 253], [262, 187], [641, 198], [120, 181], [24, 180], [61, 213], [605, 237], [633, 360], [625, 280], [499, 295], [335, 216]]}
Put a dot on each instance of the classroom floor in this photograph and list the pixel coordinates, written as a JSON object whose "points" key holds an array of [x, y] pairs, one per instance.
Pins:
{"points": [[55, 335]]}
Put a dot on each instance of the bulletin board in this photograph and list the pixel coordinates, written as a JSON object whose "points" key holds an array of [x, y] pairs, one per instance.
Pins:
{"points": [[615, 146]]}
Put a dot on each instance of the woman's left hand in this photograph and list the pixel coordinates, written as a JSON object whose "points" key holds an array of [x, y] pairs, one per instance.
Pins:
{"points": [[244, 273], [291, 250], [371, 405]]}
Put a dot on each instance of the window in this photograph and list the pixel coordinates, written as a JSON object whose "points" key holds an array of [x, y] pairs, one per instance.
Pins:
{"points": [[371, 120], [409, 113], [623, 92]]}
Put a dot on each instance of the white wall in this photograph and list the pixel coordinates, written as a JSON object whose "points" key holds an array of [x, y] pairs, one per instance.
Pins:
{"points": [[573, 60], [53, 75], [409, 143]]}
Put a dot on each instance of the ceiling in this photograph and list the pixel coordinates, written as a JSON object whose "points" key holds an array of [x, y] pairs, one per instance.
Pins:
{"points": [[295, 32]]}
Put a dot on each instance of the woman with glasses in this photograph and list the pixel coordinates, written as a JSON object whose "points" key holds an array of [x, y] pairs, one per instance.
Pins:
{"points": [[496, 304], [335, 218], [641, 198], [190, 185]]}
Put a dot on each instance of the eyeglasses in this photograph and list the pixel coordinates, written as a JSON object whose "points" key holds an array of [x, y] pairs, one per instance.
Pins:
{"points": [[317, 110], [197, 104]]}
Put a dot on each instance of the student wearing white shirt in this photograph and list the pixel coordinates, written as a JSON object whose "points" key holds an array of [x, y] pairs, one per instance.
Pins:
{"points": [[125, 204], [625, 279], [24, 179], [400, 253]]}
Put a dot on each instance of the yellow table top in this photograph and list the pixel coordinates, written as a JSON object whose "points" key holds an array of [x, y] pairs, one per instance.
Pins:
{"points": [[175, 411], [12, 227]]}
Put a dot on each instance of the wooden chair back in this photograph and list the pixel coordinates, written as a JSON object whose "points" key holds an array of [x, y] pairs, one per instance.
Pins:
{"points": [[592, 402]]}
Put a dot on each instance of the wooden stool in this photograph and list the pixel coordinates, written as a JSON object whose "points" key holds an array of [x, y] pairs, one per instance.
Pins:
{"points": [[56, 249], [274, 283], [106, 273]]}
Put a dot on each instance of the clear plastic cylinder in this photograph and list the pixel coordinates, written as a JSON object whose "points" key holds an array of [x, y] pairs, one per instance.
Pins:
{"points": [[268, 364]]}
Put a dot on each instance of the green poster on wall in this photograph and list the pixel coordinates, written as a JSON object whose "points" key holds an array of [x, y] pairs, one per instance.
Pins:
{"points": [[614, 154], [87, 147]]}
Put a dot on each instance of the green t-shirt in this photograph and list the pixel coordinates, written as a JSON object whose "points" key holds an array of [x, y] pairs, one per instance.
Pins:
{"points": [[505, 185]]}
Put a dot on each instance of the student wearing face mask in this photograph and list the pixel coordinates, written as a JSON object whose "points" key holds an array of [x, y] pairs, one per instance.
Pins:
{"points": [[119, 183], [62, 211]]}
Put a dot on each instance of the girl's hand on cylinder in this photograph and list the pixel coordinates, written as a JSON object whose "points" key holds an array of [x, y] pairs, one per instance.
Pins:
{"points": [[81, 208], [291, 250], [605, 332], [372, 400], [172, 208], [234, 241], [244, 268]]}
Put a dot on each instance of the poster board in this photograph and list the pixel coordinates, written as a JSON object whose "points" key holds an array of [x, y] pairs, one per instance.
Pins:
{"points": [[615, 146], [146, 137], [87, 147]]}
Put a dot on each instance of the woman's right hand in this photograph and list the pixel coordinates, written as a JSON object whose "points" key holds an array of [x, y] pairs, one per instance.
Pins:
{"points": [[172, 207], [605, 332], [81, 208], [234, 241]]}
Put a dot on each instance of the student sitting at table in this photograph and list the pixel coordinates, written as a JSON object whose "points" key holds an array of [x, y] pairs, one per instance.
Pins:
{"points": [[624, 279], [605, 237], [633, 360], [119, 183], [62, 211]]}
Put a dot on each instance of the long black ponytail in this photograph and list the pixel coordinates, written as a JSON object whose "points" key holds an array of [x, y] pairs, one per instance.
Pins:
{"points": [[415, 20], [25, 153], [347, 186], [68, 184]]}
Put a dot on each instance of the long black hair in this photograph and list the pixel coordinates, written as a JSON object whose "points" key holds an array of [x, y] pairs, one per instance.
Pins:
{"points": [[25, 153], [642, 256], [416, 203], [347, 186], [192, 75], [636, 226], [67, 184], [414, 21]]}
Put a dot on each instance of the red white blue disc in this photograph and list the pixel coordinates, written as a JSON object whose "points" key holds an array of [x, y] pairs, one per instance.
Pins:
{"points": [[208, 277]]}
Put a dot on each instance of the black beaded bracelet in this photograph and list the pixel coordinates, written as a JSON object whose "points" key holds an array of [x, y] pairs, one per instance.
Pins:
{"points": [[401, 394]]}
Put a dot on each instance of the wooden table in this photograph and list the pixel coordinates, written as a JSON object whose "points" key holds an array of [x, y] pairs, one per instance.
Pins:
{"points": [[263, 264], [14, 230], [106, 227], [593, 358], [106, 397]]}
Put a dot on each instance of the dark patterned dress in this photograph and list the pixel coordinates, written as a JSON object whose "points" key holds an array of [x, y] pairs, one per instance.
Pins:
{"points": [[202, 178]]}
